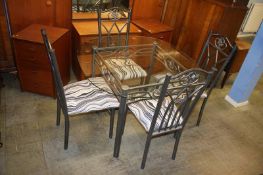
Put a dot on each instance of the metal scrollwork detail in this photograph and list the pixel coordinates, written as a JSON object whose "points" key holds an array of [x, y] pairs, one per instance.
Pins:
{"points": [[221, 43], [114, 15], [171, 65]]}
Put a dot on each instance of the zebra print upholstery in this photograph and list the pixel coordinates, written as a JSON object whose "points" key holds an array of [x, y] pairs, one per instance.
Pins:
{"points": [[144, 111], [126, 68], [84, 97]]}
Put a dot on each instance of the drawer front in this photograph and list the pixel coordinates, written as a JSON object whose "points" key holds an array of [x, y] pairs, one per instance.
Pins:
{"points": [[31, 53], [37, 81]]}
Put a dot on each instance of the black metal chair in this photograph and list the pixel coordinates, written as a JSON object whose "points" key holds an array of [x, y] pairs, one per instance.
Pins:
{"points": [[114, 29], [217, 53], [79, 97], [167, 109]]}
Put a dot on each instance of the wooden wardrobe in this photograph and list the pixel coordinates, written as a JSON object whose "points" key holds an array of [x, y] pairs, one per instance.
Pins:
{"points": [[194, 19]]}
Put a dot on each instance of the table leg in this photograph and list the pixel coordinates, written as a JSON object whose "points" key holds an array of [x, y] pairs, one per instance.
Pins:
{"points": [[120, 126]]}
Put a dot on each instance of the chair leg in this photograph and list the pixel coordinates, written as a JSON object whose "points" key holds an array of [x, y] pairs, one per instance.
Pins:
{"points": [[58, 113], [201, 112], [124, 122], [66, 132], [177, 139], [146, 150], [112, 113]]}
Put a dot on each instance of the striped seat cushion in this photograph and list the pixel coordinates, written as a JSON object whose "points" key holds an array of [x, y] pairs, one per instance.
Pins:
{"points": [[126, 68], [84, 97], [144, 111]]}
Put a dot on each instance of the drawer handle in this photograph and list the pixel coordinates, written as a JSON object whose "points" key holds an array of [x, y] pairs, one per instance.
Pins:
{"points": [[161, 37]]}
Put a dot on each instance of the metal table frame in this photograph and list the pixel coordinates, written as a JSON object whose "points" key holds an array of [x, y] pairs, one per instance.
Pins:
{"points": [[125, 92]]}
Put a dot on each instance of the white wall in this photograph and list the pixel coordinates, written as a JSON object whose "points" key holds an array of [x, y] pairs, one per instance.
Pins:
{"points": [[253, 1]]}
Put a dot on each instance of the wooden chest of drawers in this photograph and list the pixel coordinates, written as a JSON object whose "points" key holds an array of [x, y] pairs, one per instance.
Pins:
{"points": [[32, 61], [153, 28]]}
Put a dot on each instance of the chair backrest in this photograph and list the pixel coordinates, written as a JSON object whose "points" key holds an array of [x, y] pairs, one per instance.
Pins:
{"points": [[178, 97], [55, 72], [217, 52], [114, 24]]}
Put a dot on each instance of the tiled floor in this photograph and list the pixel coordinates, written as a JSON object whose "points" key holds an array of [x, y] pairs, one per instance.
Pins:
{"points": [[228, 141]]}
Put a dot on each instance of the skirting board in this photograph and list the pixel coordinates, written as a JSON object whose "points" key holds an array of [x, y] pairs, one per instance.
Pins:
{"points": [[234, 103]]}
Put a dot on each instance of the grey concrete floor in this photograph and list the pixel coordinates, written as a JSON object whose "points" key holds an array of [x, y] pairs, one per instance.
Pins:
{"points": [[228, 141]]}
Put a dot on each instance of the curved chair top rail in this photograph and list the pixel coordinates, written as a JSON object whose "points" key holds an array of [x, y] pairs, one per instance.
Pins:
{"points": [[217, 49]]}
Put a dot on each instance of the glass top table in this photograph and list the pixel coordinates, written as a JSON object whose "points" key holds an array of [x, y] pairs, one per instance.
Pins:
{"points": [[156, 58]]}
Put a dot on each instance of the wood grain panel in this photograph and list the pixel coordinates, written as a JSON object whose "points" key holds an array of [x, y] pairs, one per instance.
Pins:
{"points": [[25, 12], [63, 14], [196, 18], [174, 16], [6, 54], [32, 60], [148, 9]]}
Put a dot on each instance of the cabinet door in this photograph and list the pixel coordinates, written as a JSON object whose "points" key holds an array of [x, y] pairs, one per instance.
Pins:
{"points": [[6, 56], [201, 17], [25, 12], [63, 15], [148, 9]]}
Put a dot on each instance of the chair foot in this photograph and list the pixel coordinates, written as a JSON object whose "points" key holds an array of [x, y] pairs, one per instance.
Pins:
{"points": [[177, 139], [1, 144], [146, 150], [66, 132]]}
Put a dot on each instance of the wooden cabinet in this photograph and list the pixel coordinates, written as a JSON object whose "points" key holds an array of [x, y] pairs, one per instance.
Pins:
{"points": [[32, 61], [197, 17], [239, 57], [147, 9], [153, 28], [6, 54], [48, 12], [148, 15]]}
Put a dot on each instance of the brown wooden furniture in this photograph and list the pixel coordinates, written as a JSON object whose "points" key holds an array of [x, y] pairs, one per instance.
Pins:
{"points": [[21, 14], [85, 34], [6, 55], [234, 66], [48, 12], [153, 28], [194, 19], [32, 61], [148, 15], [147, 9]]}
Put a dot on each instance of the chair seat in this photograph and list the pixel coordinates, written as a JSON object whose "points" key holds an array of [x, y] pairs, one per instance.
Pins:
{"points": [[84, 97], [144, 111], [126, 68]]}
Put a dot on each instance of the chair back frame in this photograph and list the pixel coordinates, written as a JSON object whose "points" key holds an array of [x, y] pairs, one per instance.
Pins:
{"points": [[217, 53], [109, 23], [55, 73], [183, 90]]}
